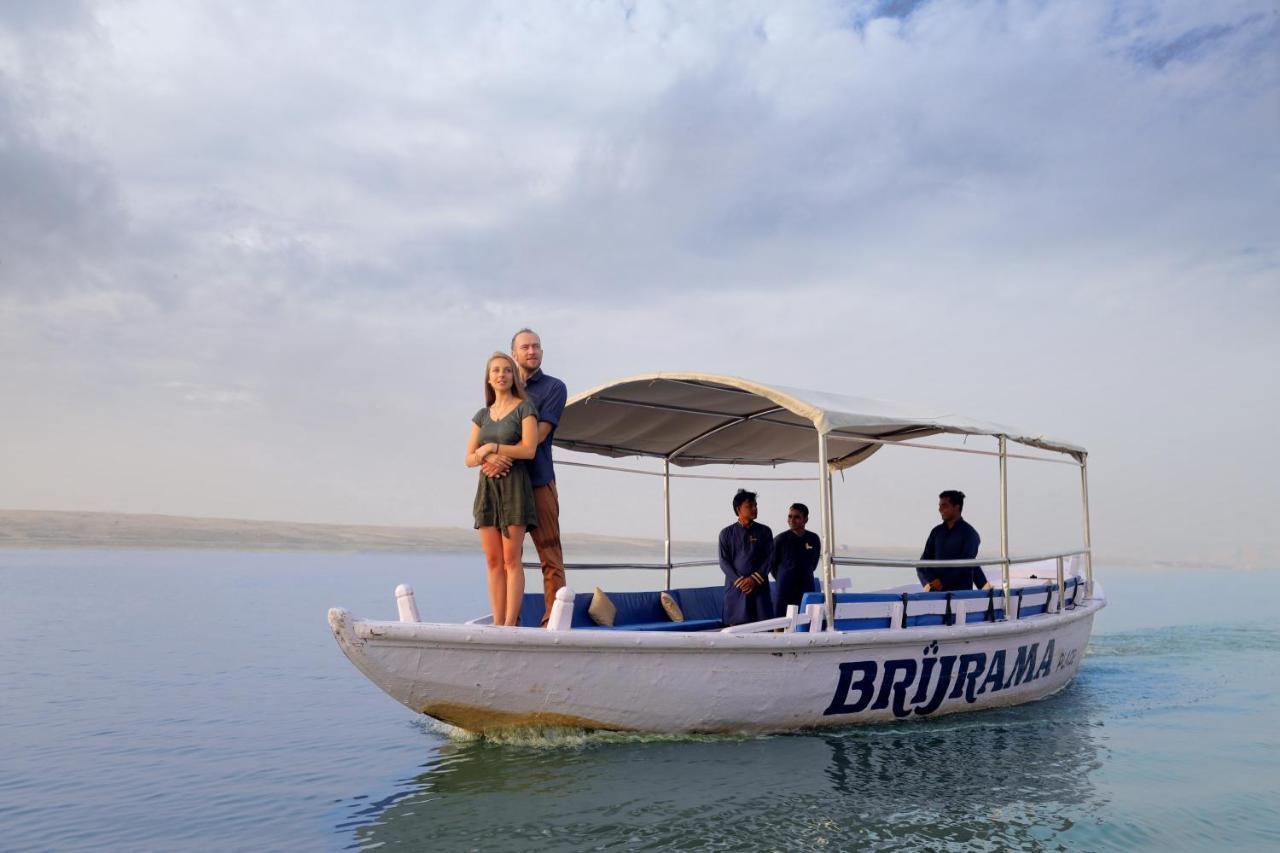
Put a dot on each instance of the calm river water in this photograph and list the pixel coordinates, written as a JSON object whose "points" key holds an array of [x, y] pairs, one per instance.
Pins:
{"points": [[162, 700]]}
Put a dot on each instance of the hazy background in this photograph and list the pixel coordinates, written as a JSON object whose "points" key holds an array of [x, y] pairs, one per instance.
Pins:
{"points": [[253, 255]]}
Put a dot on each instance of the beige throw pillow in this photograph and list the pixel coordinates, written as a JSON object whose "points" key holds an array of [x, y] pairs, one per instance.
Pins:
{"points": [[602, 610], [673, 609]]}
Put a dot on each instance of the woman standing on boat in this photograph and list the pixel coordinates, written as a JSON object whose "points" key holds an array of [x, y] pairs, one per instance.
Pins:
{"points": [[507, 425]]}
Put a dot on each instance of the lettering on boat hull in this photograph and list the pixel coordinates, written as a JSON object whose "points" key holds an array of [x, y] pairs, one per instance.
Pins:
{"points": [[919, 686]]}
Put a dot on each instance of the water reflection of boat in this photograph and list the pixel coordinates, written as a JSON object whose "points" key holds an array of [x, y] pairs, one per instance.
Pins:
{"points": [[846, 658], [1005, 780]]}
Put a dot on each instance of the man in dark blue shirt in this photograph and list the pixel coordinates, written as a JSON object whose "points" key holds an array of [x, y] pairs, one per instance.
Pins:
{"points": [[795, 558], [548, 396], [953, 539], [745, 547]]}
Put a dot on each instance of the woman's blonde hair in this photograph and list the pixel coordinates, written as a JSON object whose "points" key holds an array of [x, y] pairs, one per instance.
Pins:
{"points": [[517, 386]]}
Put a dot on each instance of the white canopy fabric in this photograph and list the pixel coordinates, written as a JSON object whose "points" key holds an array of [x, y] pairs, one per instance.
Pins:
{"points": [[705, 419]]}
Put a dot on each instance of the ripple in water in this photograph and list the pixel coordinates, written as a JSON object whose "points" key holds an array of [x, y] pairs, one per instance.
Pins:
{"points": [[1073, 771], [134, 719]]}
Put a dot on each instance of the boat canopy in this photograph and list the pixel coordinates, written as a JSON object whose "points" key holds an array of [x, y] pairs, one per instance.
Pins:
{"points": [[705, 419]]}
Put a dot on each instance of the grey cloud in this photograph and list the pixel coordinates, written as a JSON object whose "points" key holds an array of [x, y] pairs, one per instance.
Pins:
{"points": [[317, 224], [720, 179], [44, 16], [60, 212], [862, 13], [264, 171], [62, 220], [897, 8], [1190, 46]]}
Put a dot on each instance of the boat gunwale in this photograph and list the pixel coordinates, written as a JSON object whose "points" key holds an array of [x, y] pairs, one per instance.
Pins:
{"points": [[463, 635]]}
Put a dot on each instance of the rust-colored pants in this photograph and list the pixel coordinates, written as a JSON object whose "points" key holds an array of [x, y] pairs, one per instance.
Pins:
{"points": [[546, 538]]}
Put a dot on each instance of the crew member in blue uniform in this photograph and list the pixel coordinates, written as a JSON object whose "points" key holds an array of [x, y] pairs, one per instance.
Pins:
{"points": [[953, 539], [745, 547], [795, 557]]}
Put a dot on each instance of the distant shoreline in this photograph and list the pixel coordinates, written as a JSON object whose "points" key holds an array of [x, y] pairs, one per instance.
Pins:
{"points": [[55, 529], [148, 531]]}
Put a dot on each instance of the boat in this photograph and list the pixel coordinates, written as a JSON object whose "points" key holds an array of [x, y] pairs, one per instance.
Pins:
{"points": [[842, 658]]}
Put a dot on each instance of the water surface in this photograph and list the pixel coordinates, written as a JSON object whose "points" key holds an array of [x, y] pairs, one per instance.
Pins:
{"points": [[195, 700]]}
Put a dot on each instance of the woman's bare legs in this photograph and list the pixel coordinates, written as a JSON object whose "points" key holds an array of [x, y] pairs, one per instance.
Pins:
{"points": [[491, 542], [512, 552]]}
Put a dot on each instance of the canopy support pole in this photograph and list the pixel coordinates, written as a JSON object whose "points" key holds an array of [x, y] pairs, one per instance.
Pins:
{"points": [[831, 505], [824, 498], [1004, 525], [666, 507], [1088, 544]]}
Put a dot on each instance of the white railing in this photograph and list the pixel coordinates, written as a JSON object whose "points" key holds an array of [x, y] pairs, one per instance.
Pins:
{"points": [[813, 615]]}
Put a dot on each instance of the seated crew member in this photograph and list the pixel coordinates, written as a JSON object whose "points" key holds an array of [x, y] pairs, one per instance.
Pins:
{"points": [[953, 539], [744, 558], [795, 557]]}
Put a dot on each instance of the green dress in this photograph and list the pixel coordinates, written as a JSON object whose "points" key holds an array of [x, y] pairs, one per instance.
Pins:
{"points": [[507, 500]]}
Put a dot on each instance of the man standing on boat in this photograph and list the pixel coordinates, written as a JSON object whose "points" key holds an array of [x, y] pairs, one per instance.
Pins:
{"points": [[745, 549], [953, 539], [548, 395], [795, 559]]}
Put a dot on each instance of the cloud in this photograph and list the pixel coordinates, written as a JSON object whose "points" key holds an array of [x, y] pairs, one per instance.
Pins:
{"points": [[589, 152], [228, 225], [61, 216], [35, 18], [213, 397], [896, 8], [1189, 46], [1254, 34]]}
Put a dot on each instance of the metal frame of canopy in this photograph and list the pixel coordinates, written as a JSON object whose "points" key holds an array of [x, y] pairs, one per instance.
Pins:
{"points": [[861, 427]]}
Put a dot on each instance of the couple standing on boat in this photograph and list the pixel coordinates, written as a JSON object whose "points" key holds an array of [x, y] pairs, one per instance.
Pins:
{"points": [[511, 444]]}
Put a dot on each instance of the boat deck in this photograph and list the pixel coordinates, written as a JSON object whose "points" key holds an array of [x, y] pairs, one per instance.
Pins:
{"points": [[901, 607]]}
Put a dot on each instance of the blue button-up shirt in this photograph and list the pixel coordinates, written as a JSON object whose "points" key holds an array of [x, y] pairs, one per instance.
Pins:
{"points": [[794, 560], [548, 395], [953, 543]]}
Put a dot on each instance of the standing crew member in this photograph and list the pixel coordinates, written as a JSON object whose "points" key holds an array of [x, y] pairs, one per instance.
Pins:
{"points": [[795, 558], [953, 539], [548, 395], [745, 547]]}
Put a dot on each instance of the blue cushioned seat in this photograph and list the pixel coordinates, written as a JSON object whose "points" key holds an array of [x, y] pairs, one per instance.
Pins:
{"points": [[859, 624], [640, 611], [973, 613], [700, 603], [1071, 587], [976, 603], [686, 625]]}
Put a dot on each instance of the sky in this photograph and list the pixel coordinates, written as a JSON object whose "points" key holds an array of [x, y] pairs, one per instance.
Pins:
{"points": [[253, 255]]}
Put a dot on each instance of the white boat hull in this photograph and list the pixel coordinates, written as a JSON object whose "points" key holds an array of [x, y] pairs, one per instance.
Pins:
{"points": [[485, 678]]}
